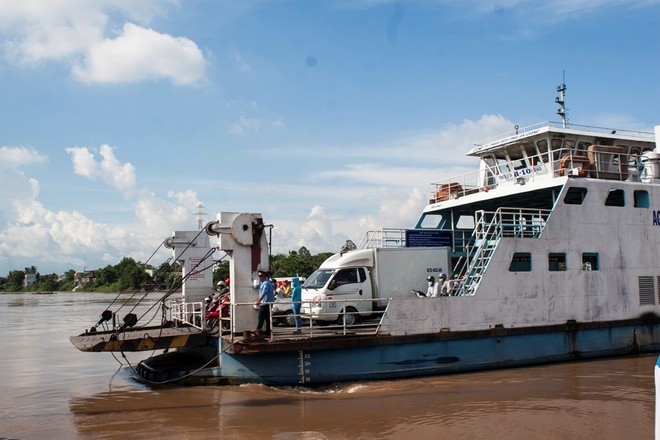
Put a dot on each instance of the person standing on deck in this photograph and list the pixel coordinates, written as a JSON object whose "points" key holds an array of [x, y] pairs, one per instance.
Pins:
{"points": [[432, 290], [444, 285], [296, 298], [286, 288], [266, 296]]}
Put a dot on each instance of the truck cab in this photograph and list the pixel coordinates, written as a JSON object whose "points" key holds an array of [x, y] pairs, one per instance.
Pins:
{"points": [[337, 294]]}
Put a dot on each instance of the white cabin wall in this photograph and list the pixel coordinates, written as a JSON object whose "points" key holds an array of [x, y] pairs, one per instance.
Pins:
{"points": [[627, 244], [609, 293]]}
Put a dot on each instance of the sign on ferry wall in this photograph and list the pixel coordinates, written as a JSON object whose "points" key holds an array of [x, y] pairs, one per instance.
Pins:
{"points": [[428, 238], [523, 172]]}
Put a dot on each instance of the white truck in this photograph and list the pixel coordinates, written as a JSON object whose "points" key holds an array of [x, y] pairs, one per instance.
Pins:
{"points": [[345, 285]]}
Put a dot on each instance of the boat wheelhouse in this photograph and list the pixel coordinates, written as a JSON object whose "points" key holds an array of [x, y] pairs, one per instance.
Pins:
{"points": [[591, 181]]}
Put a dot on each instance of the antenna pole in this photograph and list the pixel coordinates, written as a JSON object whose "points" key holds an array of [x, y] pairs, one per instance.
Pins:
{"points": [[200, 216], [561, 99]]}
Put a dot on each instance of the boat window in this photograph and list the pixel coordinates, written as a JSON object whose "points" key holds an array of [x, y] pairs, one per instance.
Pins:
{"points": [[575, 195], [615, 197], [582, 147], [556, 261], [556, 148], [589, 260], [504, 165], [542, 146], [521, 262], [465, 222], [430, 220], [361, 275], [641, 199]]}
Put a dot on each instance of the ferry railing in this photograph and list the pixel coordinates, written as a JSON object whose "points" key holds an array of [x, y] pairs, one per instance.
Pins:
{"points": [[315, 327], [516, 172], [383, 238], [394, 238], [192, 313]]}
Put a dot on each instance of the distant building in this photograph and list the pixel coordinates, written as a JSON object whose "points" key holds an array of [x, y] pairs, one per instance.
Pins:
{"points": [[86, 277], [30, 279]]}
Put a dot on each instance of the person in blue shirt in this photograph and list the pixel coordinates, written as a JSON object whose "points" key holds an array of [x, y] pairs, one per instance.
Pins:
{"points": [[266, 297], [296, 298]]}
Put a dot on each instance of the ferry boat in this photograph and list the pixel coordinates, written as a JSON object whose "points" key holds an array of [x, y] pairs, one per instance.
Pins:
{"points": [[553, 254]]}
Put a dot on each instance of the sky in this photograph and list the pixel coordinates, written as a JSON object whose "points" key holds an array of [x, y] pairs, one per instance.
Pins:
{"points": [[120, 118]]}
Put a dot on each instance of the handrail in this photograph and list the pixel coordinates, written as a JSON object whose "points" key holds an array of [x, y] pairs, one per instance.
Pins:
{"points": [[490, 227], [383, 238], [192, 313]]}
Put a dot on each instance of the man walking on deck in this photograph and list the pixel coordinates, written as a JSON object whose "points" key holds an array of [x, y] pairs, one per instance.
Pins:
{"points": [[266, 297]]}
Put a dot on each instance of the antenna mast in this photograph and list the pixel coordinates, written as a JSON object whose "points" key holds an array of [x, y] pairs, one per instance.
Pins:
{"points": [[200, 216], [561, 99]]}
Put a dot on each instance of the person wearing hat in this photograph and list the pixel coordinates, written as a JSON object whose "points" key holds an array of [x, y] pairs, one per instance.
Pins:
{"points": [[444, 285], [222, 287], [266, 296], [432, 290]]}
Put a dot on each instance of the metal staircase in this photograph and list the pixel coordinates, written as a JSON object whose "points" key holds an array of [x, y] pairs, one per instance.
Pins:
{"points": [[489, 229]]}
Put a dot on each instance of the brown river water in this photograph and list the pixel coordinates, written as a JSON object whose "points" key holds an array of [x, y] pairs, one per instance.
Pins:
{"points": [[50, 390]]}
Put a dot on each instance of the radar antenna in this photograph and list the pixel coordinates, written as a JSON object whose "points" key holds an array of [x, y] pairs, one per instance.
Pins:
{"points": [[561, 100]]}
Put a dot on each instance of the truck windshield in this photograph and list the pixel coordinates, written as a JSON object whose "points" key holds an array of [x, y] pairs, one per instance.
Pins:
{"points": [[318, 279]]}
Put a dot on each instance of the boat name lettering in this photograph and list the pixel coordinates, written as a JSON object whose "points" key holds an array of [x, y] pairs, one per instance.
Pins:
{"points": [[433, 269], [505, 140], [656, 218], [520, 173]]}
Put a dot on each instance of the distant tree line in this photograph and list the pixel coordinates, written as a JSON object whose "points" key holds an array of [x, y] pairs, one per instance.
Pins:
{"points": [[131, 275]]}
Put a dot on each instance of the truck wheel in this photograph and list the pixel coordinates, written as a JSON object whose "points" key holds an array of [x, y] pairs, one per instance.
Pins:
{"points": [[352, 317], [289, 319]]}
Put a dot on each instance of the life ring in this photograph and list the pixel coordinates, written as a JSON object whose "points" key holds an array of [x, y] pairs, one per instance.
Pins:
{"points": [[448, 190], [581, 162]]}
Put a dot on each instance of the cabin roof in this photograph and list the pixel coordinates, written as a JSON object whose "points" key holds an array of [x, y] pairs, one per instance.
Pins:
{"points": [[543, 129]]}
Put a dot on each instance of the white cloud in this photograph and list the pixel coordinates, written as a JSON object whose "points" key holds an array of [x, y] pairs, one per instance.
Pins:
{"points": [[306, 211], [81, 33], [187, 198], [158, 215], [245, 126], [361, 196], [108, 168], [14, 156], [31, 234], [139, 54]]}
